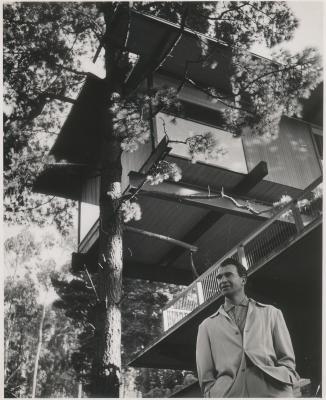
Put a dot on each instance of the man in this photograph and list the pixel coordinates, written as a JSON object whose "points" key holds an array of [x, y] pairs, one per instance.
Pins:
{"points": [[244, 349]]}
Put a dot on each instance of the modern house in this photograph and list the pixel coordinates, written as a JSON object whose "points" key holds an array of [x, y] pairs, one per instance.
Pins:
{"points": [[281, 248]]}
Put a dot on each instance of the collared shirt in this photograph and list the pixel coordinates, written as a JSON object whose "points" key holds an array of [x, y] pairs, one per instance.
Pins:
{"points": [[221, 349], [237, 312]]}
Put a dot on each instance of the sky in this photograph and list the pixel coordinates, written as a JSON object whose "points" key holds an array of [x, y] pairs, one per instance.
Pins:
{"points": [[310, 31]]}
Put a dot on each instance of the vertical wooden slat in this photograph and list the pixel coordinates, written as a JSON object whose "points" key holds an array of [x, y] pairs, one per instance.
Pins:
{"points": [[242, 257], [200, 293], [297, 218], [165, 320]]}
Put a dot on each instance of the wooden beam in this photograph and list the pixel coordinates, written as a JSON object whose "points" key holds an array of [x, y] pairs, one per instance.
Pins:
{"points": [[156, 273], [243, 187], [159, 153], [165, 354], [168, 239], [192, 235], [251, 180], [198, 197], [135, 270]]}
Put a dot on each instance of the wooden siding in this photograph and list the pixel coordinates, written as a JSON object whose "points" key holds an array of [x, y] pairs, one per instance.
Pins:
{"points": [[133, 162], [91, 190], [89, 209], [291, 157], [130, 162]]}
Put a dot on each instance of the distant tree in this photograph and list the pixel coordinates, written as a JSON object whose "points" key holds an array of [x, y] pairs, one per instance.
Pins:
{"points": [[21, 312], [141, 315], [141, 310], [43, 43], [39, 340]]}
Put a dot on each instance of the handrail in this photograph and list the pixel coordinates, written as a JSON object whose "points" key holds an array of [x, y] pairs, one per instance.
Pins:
{"points": [[248, 239]]}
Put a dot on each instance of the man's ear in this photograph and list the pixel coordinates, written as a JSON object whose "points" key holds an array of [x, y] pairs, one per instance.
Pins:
{"points": [[244, 280]]}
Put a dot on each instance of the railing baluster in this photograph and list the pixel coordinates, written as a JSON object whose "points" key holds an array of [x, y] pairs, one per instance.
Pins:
{"points": [[297, 218], [200, 293], [242, 256]]}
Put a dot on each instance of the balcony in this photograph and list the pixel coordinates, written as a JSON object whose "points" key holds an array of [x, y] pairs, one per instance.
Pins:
{"points": [[283, 257], [294, 220]]}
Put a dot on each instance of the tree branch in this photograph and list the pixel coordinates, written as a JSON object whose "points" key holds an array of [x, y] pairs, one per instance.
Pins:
{"points": [[207, 92], [224, 12], [74, 71], [31, 208], [177, 39], [60, 97], [287, 68], [91, 282], [246, 206]]}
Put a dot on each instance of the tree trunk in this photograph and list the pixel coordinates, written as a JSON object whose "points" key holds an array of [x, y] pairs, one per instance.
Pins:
{"points": [[38, 352], [79, 390], [107, 363], [107, 366]]}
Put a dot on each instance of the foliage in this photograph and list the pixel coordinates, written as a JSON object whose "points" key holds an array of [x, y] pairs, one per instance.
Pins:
{"points": [[78, 301], [132, 114], [29, 263], [263, 91], [204, 145], [42, 69], [141, 323], [163, 171], [43, 47], [130, 211]]}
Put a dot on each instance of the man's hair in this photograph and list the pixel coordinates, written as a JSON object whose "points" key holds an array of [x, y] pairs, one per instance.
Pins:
{"points": [[240, 268]]}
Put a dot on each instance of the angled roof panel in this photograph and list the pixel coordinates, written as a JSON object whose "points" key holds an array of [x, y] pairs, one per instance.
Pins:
{"points": [[79, 139]]}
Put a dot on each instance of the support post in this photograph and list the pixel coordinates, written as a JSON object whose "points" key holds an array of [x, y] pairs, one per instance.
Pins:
{"points": [[200, 293], [297, 218], [165, 320], [242, 256]]}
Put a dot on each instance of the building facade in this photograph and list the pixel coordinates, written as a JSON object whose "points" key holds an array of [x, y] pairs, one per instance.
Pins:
{"points": [[280, 247]]}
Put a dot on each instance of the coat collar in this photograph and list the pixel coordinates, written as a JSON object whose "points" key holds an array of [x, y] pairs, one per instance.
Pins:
{"points": [[222, 311], [228, 305]]}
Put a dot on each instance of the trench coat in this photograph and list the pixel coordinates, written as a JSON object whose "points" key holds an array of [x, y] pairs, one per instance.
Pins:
{"points": [[221, 351]]}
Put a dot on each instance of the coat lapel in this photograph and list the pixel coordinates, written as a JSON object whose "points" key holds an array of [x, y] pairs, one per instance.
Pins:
{"points": [[250, 316]]}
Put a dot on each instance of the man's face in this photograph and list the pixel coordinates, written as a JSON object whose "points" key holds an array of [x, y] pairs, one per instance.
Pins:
{"points": [[229, 281]]}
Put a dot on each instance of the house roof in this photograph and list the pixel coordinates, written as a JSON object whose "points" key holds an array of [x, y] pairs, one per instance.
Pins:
{"points": [[150, 37]]}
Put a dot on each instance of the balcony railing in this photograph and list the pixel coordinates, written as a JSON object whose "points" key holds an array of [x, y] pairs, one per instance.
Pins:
{"points": [[292, 221]]}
